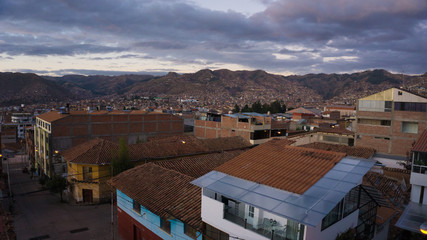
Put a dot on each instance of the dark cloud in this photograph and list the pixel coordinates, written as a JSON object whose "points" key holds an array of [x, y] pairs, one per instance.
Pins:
{"points": [[364, 34]]}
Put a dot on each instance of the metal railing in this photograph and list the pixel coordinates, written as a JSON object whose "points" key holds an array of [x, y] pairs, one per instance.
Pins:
{"points": [[268, 228]]}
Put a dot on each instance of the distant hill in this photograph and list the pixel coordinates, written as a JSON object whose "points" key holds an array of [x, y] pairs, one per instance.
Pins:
{"points": [[102, 85], [17, 88], [206, 85]]}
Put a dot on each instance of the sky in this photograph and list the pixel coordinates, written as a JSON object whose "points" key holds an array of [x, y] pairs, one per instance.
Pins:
{"points": [[112, 37]]}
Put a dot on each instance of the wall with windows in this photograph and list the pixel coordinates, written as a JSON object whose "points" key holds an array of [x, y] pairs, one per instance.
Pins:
{"points": [[149, 220]]}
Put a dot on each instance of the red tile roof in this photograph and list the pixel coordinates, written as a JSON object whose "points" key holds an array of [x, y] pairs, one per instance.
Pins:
{"points": [[421, 143], [362, 152], [96, 151], [278, 165], [167, 147], [197, 166], [162, 191], [54, 115], [164, 187]]}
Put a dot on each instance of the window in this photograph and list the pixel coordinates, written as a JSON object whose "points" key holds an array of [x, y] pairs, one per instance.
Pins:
{"points": [[387, 106], [87, 173], [189, 231], [165, 225], [374, 122], [331, 138], [334, 216], [419, 164], [251, 211], [136, 207], [409, 127], [408, 106]]}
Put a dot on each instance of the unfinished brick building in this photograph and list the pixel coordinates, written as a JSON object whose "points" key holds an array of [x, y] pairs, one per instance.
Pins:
{"points": [[58, 131], [390, 121]]}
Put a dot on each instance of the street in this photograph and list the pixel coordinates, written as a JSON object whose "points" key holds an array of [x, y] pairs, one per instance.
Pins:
{"points": [[39, 214]]}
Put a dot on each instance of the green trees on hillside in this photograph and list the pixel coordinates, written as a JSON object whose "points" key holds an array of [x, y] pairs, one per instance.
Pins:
{"points": [[274, 107]]}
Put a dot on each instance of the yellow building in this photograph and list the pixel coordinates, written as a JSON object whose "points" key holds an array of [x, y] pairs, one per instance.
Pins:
{"points": [[89, 168]]}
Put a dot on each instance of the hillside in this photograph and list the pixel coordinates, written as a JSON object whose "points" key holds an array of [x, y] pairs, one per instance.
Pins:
{"points": [[212, 87], [17, 88]]}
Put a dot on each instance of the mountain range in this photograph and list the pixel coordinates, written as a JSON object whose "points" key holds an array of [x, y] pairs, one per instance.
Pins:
{"points": [[234, 86]]}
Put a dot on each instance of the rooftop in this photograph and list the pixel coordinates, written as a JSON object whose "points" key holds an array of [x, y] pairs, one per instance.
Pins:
{"points": [[421, 143], [362, 152], [164, 187], [167, 147], [163, 191], [95, 151], [308, 208], [278, 165], [197, 166], [55, 115]]}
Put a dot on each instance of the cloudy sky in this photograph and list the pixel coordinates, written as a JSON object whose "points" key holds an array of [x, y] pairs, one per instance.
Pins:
{"points": [[60, 37]]}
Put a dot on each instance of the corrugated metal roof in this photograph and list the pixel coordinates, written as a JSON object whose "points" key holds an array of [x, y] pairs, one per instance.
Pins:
{"points": [[421, 143]]}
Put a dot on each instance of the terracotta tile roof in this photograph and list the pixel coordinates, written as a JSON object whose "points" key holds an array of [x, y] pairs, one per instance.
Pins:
{"points": [[55, 115], [421, 143], [167, 147], [164, 187], [162, 191], [278, 165], [361, 152], [391, 188], [197, 166], [384, 213], [174, 146], [226, 143], [95, 151], [51, 116]]}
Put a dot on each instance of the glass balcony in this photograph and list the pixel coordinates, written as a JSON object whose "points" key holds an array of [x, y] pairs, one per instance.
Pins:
{"points": [[266, 227]]}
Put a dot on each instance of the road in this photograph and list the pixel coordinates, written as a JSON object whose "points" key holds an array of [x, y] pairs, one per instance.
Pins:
{"points": [[39, 214]]}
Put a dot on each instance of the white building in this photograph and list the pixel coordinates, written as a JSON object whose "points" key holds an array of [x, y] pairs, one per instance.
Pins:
{"points": [[22, 120], [275, 191], [415, 213]]}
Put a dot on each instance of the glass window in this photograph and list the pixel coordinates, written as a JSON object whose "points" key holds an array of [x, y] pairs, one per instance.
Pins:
{"points": [[189, 231], [251, 211], [409, 127], [165, 225], [334, 216], [136, 207]]}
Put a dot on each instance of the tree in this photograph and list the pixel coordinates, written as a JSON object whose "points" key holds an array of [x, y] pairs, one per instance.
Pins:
{"points": [[236, 109], [57, 185], [121, 162], [246, 108]]}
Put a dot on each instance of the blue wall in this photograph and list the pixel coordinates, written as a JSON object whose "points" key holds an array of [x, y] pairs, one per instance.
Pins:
{"points": [[151, 220]]}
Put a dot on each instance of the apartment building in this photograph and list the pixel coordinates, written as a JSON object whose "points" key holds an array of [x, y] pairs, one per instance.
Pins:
{"points": [[276, 191], [254, 127], [22, 121], [415, 214], [390, 121], [58, 131]]}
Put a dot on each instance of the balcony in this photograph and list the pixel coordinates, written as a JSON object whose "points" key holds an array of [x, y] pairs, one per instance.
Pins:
{"points": [[266, 227]]}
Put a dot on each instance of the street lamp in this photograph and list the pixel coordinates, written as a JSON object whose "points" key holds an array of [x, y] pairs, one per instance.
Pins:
{"points": [[423, 228]]}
